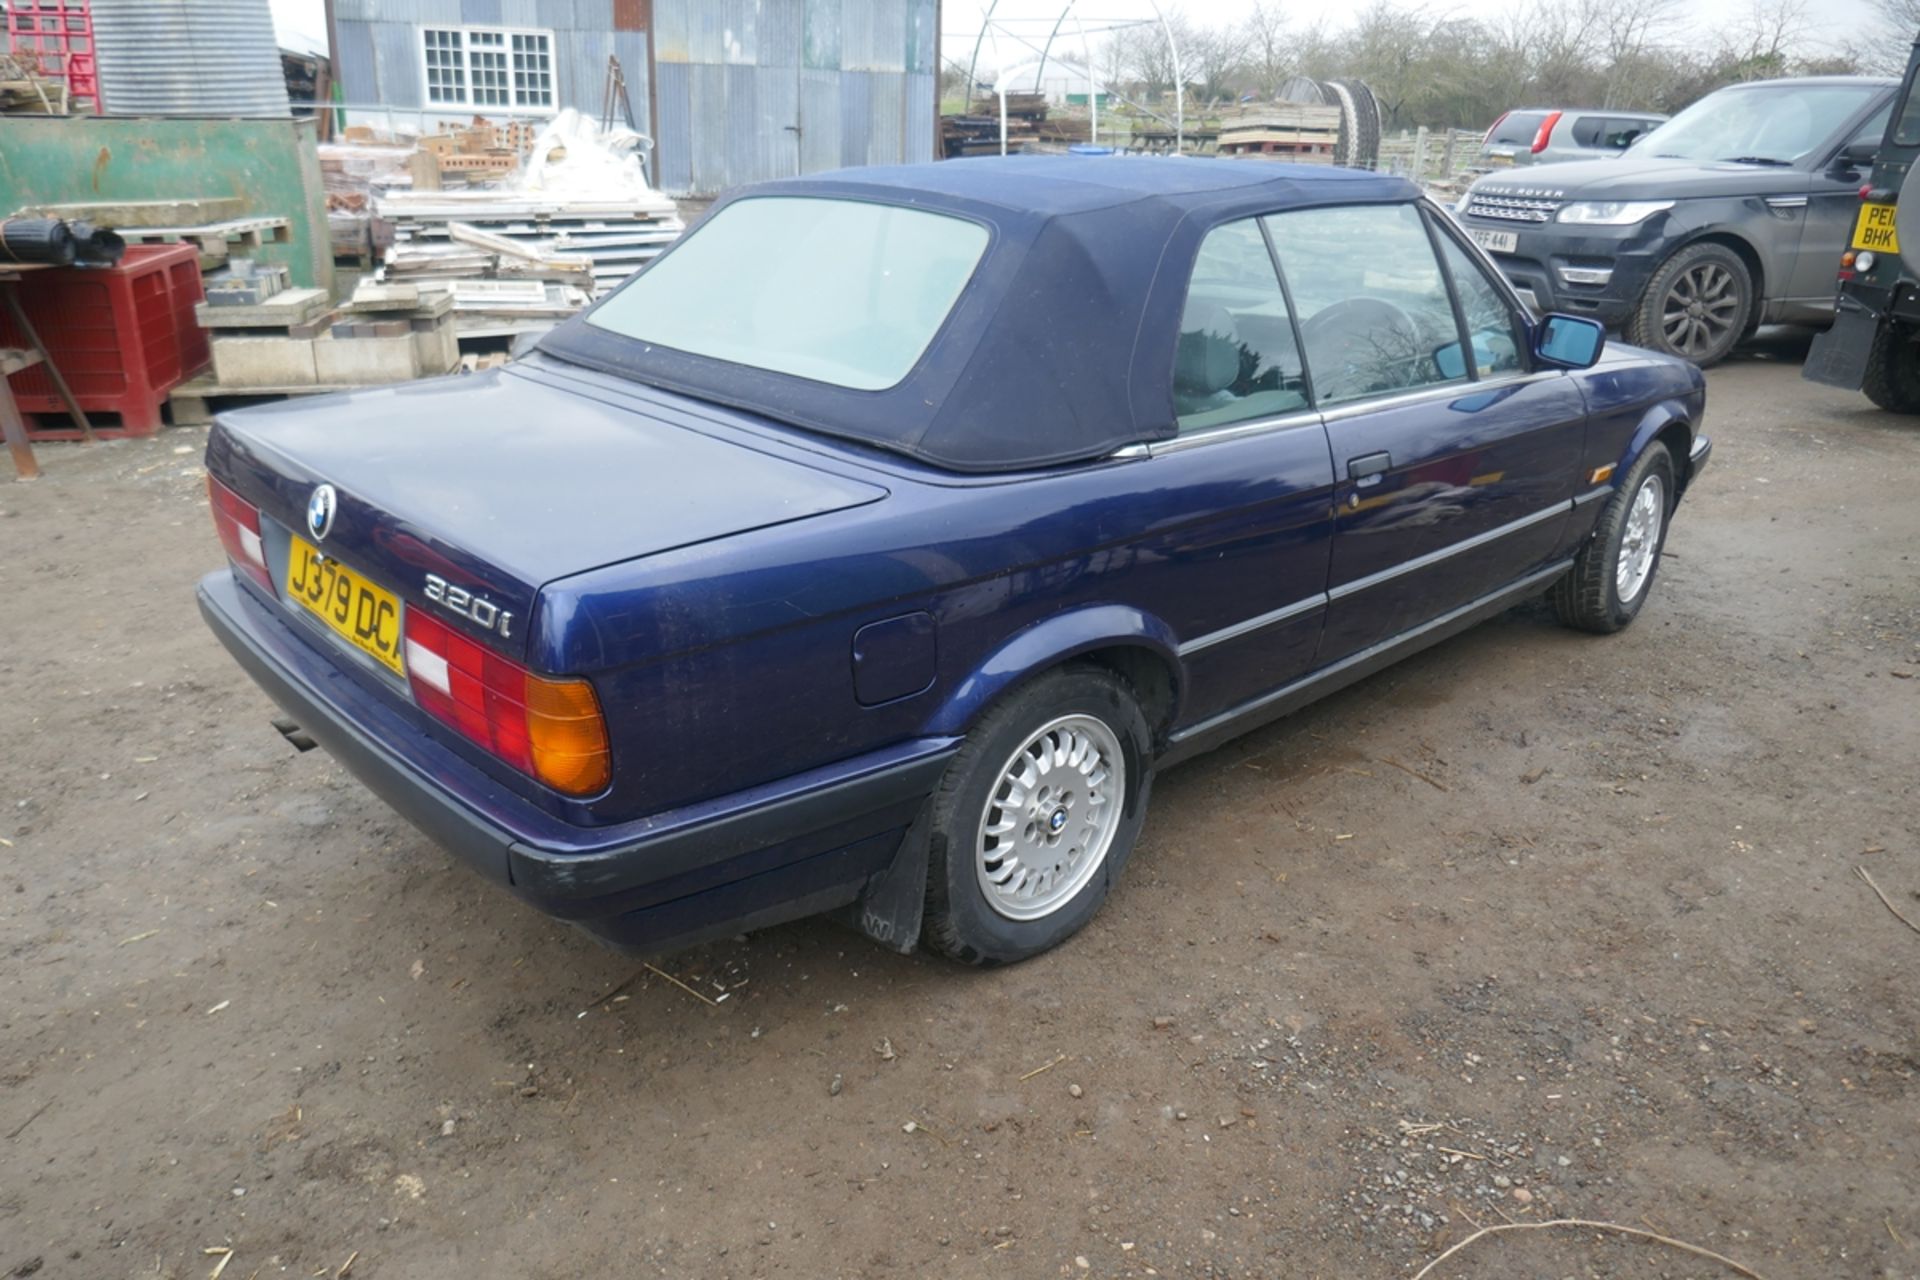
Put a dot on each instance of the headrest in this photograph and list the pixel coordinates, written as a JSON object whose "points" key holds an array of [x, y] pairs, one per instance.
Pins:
{"points": [[1208, 358]]}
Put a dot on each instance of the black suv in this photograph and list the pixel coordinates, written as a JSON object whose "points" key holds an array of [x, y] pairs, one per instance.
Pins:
{"points": [[1874, 345], [1731, 215]]}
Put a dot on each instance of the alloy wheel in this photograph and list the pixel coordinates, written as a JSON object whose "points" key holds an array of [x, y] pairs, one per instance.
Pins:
{"points": [[1702, 307], [1050, 819], [1640, 542]]}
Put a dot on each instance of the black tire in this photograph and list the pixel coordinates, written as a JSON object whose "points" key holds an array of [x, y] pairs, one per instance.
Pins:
{"points": [[1366, 111], [961, 922], [1710, 275], [1893, 368], [1588, 596], [1357, 145]]}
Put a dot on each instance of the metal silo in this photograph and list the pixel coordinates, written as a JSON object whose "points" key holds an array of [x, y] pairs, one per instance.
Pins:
{"points": [[188, 58]]}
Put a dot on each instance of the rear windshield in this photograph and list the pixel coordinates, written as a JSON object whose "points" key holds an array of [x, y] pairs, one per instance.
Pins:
{"points": [[1777, 124], [838, 291], [1516, 129]]}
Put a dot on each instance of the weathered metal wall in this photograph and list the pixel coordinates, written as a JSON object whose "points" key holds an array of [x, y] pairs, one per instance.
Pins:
{"points": [[746, 89], [757, 89], [380, 60], [272, 166], [188, 58]]}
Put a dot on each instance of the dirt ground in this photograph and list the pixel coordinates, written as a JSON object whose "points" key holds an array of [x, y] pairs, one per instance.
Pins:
{"points": [[1534, 925]]}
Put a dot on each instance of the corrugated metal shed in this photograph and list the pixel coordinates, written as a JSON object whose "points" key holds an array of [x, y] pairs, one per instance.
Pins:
{"points": [[382, 59], [834, 82], [746, 90], [188, 58]]}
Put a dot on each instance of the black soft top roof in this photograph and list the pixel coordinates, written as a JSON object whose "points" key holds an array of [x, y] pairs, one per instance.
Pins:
{"points": [[1060, 348]]}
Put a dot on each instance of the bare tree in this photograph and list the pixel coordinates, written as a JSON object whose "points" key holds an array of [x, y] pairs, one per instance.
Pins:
{"points": [[1211, 58], [1899, 24], [1270, 52], [1431, 66], [1761, 45], [1632, 33], [1147, 56]]}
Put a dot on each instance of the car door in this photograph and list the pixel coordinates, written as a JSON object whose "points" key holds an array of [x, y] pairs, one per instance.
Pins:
{"points": [[1453, 476], [1245, 586], [1833, 203]]}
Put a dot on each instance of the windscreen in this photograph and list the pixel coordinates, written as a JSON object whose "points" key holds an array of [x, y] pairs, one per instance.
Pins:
{"points": [[843, 292], [1775, 124]]}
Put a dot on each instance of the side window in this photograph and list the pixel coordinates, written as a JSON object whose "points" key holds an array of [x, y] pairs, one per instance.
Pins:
{"points": [[1590, 131], [1489, 318], [1907, 132], [1874, 131], [1236, 358], [1374, 309]]}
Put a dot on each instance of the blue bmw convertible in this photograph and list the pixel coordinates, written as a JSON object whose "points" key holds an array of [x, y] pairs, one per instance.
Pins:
{"points": [[871, 550]]}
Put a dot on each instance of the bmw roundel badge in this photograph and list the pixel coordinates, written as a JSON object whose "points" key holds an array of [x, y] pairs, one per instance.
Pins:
{"points": [[320, 511]]}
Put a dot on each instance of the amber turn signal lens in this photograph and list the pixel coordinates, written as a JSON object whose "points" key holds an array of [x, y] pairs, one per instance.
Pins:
{"points": [[567, 736]]}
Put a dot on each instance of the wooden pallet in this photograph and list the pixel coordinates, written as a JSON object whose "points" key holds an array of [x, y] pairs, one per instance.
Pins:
{"points": [[217, 241]]}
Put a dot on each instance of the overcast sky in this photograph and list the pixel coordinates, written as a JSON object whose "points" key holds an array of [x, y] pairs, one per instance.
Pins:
{"points": [[300, 22]]}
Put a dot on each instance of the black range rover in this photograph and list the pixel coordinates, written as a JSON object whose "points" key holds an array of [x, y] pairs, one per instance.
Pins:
{"points": [[1731, 215]]}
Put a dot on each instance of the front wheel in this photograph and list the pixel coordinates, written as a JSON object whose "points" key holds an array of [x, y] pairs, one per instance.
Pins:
{"points": [[1035, 817], [1696, 306], [1893, 368], [1613, 574]]}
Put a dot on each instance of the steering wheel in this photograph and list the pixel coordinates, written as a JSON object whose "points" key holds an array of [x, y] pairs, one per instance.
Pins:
{"points": [[1359, 345]]}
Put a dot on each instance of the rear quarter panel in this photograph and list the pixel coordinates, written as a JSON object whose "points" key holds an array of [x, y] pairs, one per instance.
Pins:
{"points": [[729, 664]]}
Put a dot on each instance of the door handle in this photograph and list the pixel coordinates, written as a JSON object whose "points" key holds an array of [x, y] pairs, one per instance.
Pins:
{"points": [[1367, 469]]}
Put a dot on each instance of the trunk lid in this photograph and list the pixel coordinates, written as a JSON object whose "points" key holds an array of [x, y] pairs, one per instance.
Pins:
{"points": [[500, 483]]}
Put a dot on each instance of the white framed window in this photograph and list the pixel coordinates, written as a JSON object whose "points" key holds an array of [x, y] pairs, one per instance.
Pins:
{"points": [[481, 67]]}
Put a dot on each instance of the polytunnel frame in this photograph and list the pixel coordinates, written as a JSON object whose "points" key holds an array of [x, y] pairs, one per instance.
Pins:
{"points": [[987, 25]]}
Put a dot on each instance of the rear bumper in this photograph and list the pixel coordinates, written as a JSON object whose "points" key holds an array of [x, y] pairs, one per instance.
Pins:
{"points": [[775, 852]]}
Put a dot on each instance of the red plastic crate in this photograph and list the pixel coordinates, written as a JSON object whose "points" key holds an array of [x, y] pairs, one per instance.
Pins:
{"points": [[122, 336]]}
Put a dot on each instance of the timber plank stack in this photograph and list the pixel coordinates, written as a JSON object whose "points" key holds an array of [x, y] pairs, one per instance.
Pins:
{"points": [[1296, 132], [977, 133], [24, 91], [614, 237]]}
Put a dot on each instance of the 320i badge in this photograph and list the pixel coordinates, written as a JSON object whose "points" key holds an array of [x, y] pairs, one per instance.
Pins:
{"points": [[873, 548]]}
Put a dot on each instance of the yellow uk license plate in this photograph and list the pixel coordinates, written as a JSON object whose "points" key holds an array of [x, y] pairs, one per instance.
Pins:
{"points": [[1874, 229], [364, 615]]}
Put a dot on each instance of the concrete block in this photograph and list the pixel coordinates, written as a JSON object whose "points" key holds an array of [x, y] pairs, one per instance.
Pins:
{"points": [[263, 362], [289, 307], [359, 362], [436, 350], [247, 292], [313, 328], [384, 297]]}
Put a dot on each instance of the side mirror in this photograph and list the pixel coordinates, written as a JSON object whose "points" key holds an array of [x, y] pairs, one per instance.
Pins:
{"points": [[1857, 155], [1568, 342]]}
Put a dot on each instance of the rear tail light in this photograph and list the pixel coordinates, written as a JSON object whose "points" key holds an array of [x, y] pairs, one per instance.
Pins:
{"points": [[1495, 127], [1545, 135], [237, 521], [551, 730]]}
